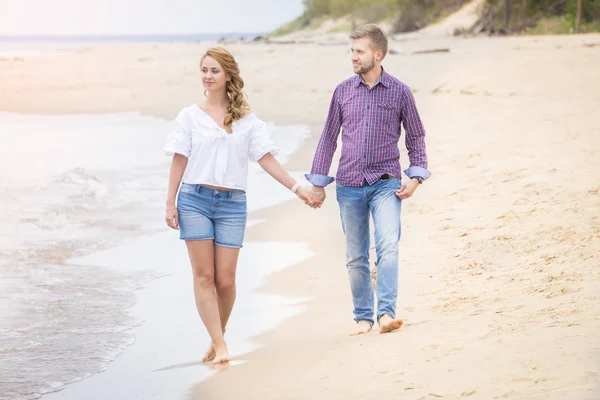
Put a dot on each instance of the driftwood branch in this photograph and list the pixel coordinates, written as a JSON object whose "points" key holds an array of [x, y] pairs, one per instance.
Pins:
{"points": [[442, 50]]}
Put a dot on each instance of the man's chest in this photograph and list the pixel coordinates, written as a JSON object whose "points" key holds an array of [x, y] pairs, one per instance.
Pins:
{"points": [[366, 110]]}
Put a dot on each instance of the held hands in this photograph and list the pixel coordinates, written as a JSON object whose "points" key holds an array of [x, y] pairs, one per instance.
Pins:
{"points": [[305, 197], [408, 189], [313, 198], [318, 196]]}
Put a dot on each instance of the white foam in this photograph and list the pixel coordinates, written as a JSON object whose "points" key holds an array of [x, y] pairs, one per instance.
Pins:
{"points": [[164, 362]]}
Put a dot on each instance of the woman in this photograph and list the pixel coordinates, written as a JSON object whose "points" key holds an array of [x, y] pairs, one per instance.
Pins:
{"points": [[211, 145]]}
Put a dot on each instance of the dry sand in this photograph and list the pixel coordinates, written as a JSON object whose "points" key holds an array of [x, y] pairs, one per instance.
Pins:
{"points": [[500, 254]]}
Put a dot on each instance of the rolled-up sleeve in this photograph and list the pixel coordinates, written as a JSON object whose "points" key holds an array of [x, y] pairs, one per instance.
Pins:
{"points": [[260, 142], [179, 139]]}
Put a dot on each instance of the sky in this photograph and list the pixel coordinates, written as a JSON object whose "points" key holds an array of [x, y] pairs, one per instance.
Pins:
{"points": [[108, 17]]}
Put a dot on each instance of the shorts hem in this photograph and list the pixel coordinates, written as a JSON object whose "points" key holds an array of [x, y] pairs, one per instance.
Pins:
{"points": [[197, 238], [229, 245]]}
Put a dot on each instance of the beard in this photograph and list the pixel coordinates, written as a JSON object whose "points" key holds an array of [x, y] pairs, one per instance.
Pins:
{"points": [[366, 68]]}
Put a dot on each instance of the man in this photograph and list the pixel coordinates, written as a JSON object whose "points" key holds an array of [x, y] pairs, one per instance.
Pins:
{"points": [[370, 107]]}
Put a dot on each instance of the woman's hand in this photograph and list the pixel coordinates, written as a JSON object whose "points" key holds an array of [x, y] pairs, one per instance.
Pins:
{"points": [[172, 218], [305, 196]]}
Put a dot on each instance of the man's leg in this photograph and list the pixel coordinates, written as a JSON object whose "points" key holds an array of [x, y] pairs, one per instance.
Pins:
{"points": [[354, 212], [385, 207]]}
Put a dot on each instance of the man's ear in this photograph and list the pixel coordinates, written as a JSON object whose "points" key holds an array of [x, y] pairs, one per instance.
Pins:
{"points": [[379, 55]]}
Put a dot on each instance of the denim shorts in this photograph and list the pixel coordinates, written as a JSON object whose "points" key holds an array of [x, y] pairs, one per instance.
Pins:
{"points": [[206, 213]]}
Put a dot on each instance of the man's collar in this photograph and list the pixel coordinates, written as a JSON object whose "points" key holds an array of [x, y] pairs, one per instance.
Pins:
{"points": [[384, 79]]}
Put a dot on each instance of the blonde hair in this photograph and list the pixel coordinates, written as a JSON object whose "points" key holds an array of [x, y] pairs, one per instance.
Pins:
{"points": [[374, 33], [238, 106]]}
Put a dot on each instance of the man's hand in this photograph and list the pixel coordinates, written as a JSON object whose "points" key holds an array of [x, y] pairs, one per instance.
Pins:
{"points": [[408, 189], [317, 193], [305, 197]]}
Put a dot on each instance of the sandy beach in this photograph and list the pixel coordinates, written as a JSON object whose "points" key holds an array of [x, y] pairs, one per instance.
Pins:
{"points": [[500, 249]]}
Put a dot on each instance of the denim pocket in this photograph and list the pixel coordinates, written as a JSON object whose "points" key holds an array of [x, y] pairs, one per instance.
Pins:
{"points": [[391, 184], [187, 188], [238, 196]]}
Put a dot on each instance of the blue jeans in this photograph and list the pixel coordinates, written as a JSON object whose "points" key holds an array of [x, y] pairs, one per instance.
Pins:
{"points": [[355, 204]]}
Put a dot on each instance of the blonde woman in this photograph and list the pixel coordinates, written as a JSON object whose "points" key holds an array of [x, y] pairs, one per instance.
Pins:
{"points": [[211, 146]]}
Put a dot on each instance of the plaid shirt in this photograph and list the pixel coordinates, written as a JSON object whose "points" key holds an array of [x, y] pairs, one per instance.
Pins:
{"points": [[370, 119]]}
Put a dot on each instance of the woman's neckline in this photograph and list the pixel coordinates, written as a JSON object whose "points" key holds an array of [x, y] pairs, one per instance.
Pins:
{"points": [[215, 122]]}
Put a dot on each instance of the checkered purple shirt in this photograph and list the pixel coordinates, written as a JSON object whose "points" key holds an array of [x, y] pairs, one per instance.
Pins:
{"points": [[370, 119]]}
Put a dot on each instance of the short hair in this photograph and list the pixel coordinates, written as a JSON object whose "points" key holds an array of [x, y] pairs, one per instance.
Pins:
{"points": [[374, 33]]}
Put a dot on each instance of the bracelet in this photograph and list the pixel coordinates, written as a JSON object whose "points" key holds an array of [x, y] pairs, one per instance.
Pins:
{"points": [[171, 209], [295, 187], [317, 193]]}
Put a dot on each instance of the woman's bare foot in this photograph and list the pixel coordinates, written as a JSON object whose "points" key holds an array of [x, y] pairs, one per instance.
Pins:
{"points": [[387, 324], [221, 355], [210, 353], [361, 328]]}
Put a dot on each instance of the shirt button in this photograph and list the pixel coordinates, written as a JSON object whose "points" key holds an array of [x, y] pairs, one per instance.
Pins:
{"points": [[367, 107]]}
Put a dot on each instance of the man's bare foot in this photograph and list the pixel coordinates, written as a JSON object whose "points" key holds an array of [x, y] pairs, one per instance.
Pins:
{"points": [[361, 328], [387, 324], [221, 355], [210, 353]]}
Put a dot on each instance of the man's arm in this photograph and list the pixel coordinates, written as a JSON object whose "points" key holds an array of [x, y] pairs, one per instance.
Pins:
{"points": [[319, 174], [415, 137]]}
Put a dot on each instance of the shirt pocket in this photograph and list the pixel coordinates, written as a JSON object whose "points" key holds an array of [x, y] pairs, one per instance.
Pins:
{"points": [[388, 115]]}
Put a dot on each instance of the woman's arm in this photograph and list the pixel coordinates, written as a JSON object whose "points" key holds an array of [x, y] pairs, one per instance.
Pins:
{"points": [[273, 168], [178, 166]]}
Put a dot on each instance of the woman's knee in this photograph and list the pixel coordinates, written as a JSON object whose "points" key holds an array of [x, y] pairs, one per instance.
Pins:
{"points": [[205, 274], [225, 284]]}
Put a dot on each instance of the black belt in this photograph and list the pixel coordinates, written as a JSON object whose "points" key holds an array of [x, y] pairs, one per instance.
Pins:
{"points": [[384, 177]]}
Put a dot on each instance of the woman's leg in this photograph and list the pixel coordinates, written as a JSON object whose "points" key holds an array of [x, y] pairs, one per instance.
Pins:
{"points": [[225, 267], [202, 257], [230, 224]]}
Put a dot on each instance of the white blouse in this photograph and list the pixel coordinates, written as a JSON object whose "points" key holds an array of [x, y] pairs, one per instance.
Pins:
{"points": [[216, 157]]}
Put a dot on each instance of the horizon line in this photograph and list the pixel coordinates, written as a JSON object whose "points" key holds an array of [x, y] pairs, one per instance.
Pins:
{"points": [[125, 34], [121, 35]]}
